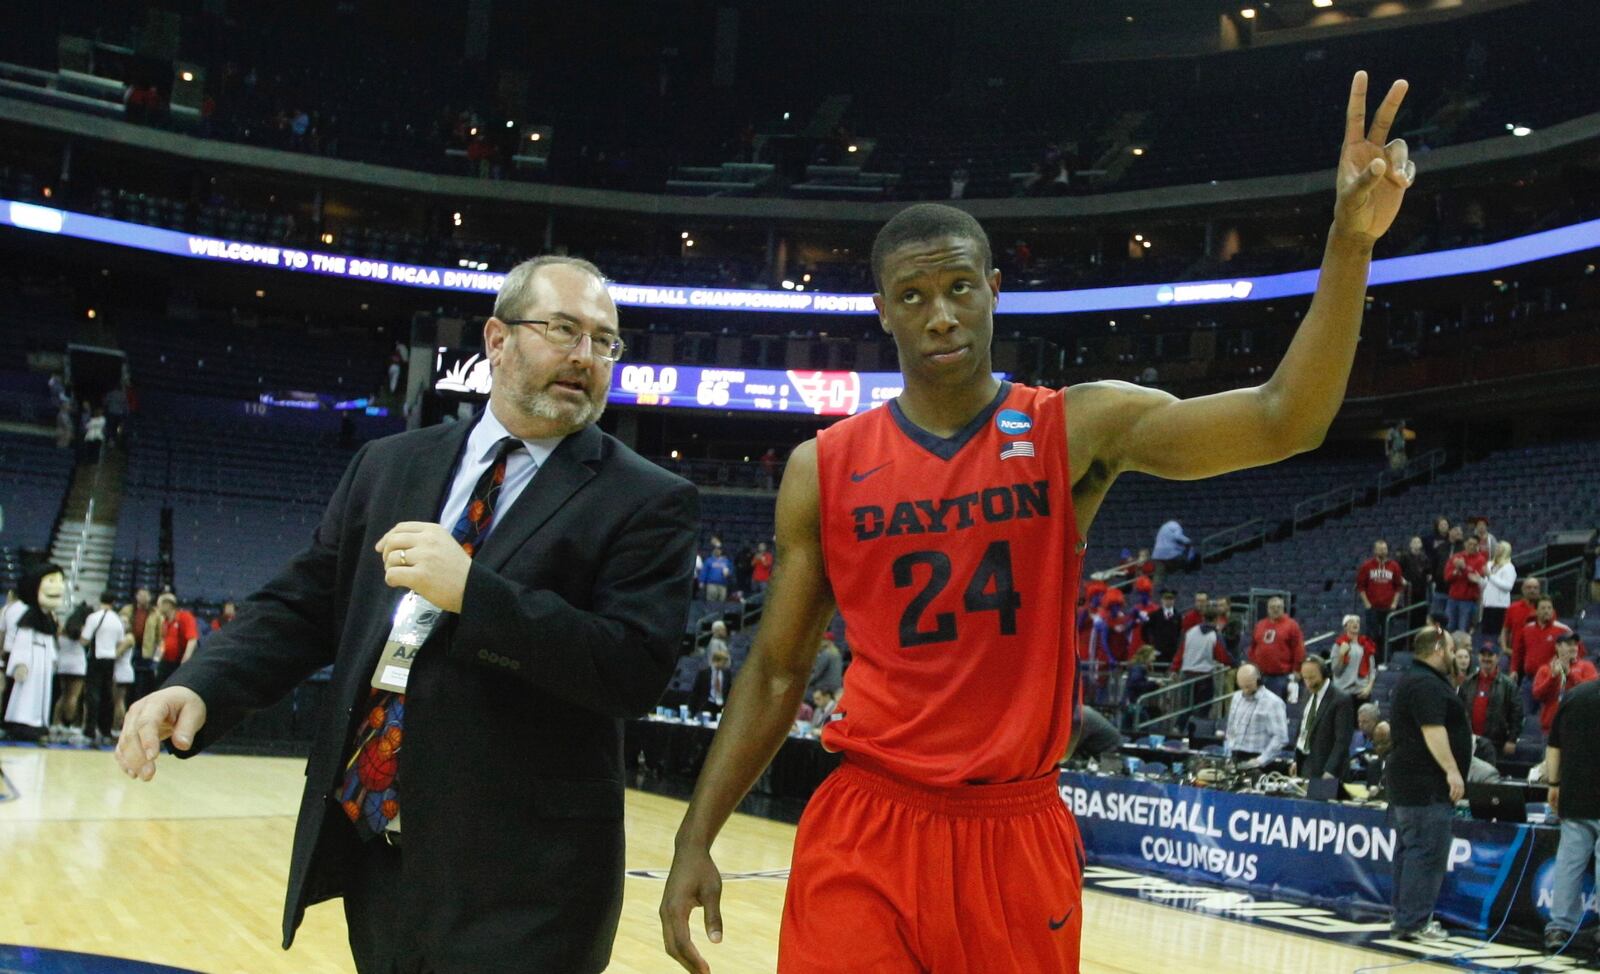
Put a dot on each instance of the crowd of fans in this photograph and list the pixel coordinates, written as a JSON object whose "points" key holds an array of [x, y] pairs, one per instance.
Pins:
{"points": [[100, 660]]}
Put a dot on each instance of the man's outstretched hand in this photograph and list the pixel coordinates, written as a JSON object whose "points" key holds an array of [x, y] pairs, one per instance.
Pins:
{"points": [[1373, 176]]}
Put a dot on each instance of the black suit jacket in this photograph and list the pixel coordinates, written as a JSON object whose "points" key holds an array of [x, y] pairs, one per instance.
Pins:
{"points": [[511, 774], [700, 695], [1329, 744], [1164, 634]]}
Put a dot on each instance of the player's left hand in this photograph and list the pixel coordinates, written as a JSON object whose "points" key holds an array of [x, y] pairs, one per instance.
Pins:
{"points": [[425, 558], [1373, 176]]}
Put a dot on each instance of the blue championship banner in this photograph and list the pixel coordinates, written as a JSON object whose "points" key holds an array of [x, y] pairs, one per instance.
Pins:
{"points": [[1338, 857]]}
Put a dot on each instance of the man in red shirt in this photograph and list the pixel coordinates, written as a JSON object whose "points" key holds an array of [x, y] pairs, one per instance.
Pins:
{"points": [[761, 567], [1560, 675], [1464, 572], [1196, 615], [1535, 643], [1493, 703], [1379, 582], [180, 634], [1277, 647], [1518, 614]]}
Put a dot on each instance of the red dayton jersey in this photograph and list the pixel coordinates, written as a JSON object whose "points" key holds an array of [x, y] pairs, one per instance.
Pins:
{"points": [[955, 564]]}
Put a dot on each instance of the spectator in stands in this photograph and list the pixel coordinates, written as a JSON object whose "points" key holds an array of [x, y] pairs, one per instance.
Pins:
{"points": [[1499, 578], [1140, 681], [1351, 661], [717, 642], [1461, 667], [229, 613], [1204, 655], [1379, 583], [1173, 550], [116, 405], [144, 666], [823, 704], [1558, 676], [1258, 722], [1572, 771], [1163, 628], [123, 673], [1370, 749], [180, 634], [827, 671], [1425, 777], [1480, 530], [102, 637], [1230, 634], [1464, 574], [1417, 570], [760, 568], [64, 425], [715, 575], [1518, 614], [33, 647], [712, 684], [1443, 550], [1326, 725], [1277, 647], [1394, 445], [1197, 614], [94, 436], [1113, 630], [1493, 703], [1373, 728], [1535, 644]]}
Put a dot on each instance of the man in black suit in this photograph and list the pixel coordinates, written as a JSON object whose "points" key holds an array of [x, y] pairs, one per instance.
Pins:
{"points": [[564, 584], [1164, 628], [712, 684], [1326, 724]]}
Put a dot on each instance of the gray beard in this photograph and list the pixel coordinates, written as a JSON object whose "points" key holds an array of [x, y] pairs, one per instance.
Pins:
{"points": [[572, 417]]}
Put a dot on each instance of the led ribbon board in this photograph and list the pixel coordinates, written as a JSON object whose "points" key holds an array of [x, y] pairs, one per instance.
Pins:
{"points": [[1392, 270], [460, 372]]}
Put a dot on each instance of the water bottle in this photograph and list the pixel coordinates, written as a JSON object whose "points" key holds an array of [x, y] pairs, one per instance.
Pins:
{"points": [[1294, 691]]}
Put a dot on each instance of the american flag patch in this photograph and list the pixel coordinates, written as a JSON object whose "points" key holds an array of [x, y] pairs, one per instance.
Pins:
{"points": [[1017, 448]]}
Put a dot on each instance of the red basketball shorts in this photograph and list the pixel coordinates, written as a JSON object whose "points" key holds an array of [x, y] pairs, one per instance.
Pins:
{"points": [[892, 877]]}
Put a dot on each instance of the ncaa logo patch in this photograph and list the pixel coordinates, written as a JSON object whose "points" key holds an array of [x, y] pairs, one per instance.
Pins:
{"points": [[1012, 422]]}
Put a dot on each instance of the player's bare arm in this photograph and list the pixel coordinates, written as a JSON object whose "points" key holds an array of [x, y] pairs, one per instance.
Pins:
{"points": [[1116, 426], [761, 707]]}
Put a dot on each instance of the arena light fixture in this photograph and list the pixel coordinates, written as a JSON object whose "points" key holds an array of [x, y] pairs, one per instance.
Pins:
{"points": [[510, 124], [853, 148], [533, 137], [684, 235], [1138, 150], [1321, 4], [188, 76], [1248, 13], [788, 285], [1521, 130], [90, 314]]}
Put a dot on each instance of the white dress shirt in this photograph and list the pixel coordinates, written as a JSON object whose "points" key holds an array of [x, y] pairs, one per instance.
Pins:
{"points": [[479, 456]]}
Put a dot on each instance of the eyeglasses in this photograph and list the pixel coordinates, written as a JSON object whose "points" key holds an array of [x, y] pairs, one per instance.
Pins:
{"points": [[565, 334]]}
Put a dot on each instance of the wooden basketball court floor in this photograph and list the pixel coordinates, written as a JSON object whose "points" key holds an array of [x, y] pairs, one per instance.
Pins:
{"points": [[188, 871]]}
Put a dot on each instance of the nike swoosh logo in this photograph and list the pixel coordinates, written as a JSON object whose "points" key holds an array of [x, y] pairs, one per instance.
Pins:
{"points": [[859, 477], [1058, 924]]}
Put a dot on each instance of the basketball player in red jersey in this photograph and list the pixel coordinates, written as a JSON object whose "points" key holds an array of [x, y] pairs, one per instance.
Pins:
{"points": [[948, 528]]}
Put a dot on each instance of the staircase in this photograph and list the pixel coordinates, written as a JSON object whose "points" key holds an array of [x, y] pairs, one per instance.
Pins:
{"points": [[88, 526]]}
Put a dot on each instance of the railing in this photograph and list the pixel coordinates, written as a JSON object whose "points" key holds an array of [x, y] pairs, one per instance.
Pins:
{"points": [[1329, 501], [1214, 546], [78, 552], [1314, 640], [1177, 691], [1425, 466], [1406, 614]]}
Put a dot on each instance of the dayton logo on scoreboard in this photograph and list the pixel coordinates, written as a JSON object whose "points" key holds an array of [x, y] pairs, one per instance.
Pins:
{"points": [[828, 393]]}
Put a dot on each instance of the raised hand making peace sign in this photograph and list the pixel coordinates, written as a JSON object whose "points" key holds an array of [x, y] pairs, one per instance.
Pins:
{"points": [[1373, 176]]}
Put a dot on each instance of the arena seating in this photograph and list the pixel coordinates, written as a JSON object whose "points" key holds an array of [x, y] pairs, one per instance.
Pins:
{"points": [[34, 477], [246, 494], [1523, 492]]}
